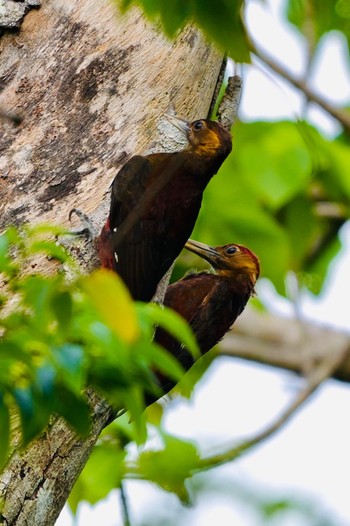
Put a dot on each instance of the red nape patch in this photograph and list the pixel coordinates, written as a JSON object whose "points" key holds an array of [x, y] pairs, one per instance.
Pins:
{"points": [[246, 250]]}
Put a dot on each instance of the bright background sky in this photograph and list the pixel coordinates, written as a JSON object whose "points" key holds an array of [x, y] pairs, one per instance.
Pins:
{"points": [[309, 458]]}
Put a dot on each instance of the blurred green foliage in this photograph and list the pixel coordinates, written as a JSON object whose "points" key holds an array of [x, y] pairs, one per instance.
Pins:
{"points": [[284, 192], [223, 20], [314, 18]]}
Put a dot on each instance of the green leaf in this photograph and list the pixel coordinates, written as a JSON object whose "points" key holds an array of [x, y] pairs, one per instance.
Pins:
{"points": [[114, 303], [166, 363], [50, 248], [174, 15], [38, 291], [45, 383], [281, 168], [71, 361], [61, 304], [122, 429], [154, 414], [336, 169], [102, 473], [221, 21], [298, 217], [170, 467], [135, 404], [75, 409], [32, 419], [43, 228], [172, 322], [188, 381], [7, 265]]}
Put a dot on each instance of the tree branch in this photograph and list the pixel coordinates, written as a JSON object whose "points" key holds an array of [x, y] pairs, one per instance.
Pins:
{"points": [[228, 107], [342, 116], [321, 373], [285, 343]]}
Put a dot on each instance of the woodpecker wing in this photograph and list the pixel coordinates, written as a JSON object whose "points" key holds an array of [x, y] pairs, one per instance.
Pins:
{"points": [[210, 308], [134, 227]]}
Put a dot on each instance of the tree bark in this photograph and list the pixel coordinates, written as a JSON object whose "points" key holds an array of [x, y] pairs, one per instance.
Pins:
{"points": [[91, 86]]}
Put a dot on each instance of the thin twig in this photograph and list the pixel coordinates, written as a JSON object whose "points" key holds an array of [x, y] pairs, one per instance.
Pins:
{"points": [[319, 375], [124, 506], [340, 115], [228, 107], [323, 372]]}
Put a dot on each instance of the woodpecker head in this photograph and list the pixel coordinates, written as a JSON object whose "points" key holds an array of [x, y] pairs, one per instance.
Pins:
{"points": [[205, 137], [232, 261]]}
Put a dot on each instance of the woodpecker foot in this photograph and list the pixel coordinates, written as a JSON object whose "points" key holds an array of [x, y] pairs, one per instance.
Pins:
{"points": [[88, 229]]}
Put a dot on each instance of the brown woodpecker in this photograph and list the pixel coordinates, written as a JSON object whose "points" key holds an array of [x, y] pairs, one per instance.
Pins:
{"points": [[209, 302], [155, 201]]}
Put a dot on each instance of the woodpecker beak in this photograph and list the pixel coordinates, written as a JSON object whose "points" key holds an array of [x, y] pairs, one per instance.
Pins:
{"points": [[205, 251], [180, 124]]}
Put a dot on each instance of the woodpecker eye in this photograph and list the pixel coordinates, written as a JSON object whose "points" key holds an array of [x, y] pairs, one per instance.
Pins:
{"points": [[231, 250], [198, 125]]}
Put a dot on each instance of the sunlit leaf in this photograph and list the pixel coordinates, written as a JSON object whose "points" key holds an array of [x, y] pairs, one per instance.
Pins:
{"points": [[155, 414], [113, 301]]}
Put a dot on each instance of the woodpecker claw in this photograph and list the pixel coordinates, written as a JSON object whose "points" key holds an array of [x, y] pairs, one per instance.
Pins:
{"points": [[88, 230]]}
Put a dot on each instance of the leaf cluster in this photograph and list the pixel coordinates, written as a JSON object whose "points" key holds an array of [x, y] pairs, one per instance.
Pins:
{"points": [[223, 21], [58, 337], [168, 464]]}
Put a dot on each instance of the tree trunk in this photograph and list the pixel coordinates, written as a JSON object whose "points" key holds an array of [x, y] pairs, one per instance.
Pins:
{"points": [[91, 86]]}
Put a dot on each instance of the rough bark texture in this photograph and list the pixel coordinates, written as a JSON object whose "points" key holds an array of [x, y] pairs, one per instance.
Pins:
{"points": [[35, 484], [91, 86], [12, 12]]}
